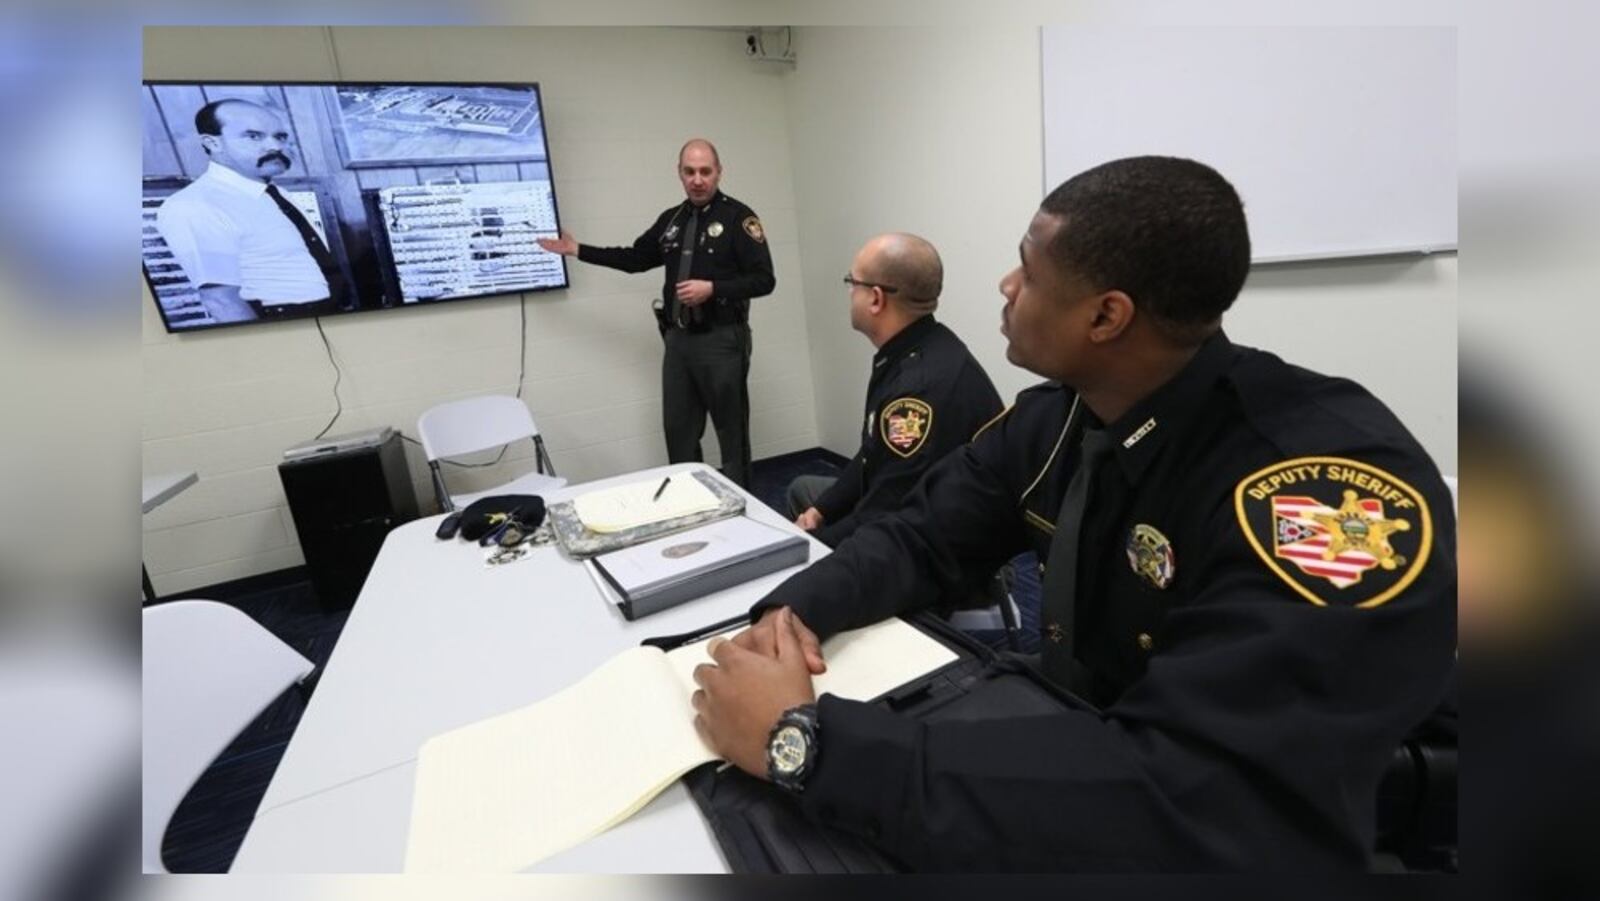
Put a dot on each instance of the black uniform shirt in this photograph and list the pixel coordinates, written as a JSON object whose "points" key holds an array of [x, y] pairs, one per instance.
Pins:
{"points": [[927, 396], [1251, 688], [730, 251]]}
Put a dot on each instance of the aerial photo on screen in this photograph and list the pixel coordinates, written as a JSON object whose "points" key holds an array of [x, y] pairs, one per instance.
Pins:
{"points": [[382, 124]]}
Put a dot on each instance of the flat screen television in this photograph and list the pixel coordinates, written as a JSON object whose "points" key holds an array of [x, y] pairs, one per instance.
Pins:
{"points": [[298, 199]]}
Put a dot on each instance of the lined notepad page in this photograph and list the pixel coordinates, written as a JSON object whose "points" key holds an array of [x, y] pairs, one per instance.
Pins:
{"points": [[504, 793], [635, 504]]}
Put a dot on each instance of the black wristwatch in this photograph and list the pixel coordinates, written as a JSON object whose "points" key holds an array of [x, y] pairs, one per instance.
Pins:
{"points": [[792, 748]]}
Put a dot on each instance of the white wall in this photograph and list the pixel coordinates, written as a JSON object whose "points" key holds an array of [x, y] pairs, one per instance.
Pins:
{"points": [[938, 131], [619, 102], [1388, 323], [934, 131]]}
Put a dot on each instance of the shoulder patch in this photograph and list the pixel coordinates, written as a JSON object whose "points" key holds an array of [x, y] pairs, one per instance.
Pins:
{"points": [[752, 227], [905, 424], [1340, 532]]}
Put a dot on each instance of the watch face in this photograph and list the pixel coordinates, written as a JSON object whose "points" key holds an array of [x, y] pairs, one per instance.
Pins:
{"points": [[788, 749]]}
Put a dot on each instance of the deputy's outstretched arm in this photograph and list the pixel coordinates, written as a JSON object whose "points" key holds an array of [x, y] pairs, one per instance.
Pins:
{"points": [[644, 254]]}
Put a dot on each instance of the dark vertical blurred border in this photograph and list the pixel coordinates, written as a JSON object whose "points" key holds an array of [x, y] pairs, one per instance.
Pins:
{"points": [[69, 373], [1530, 486]]}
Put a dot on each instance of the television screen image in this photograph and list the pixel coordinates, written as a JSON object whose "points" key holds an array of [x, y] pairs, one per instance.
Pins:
{"points": [[291, 200]]}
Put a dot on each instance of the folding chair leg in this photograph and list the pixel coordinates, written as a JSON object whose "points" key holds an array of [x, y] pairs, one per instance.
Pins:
{"points": [[439, 493], [541, 457], [1008, 609]]}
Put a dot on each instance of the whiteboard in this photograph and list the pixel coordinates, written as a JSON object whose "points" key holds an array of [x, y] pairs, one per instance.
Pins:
{"points": [[1341, 141]]}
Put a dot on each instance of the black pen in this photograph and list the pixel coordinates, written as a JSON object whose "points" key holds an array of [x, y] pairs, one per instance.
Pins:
{"points": [[668, 642], [661, 489]]}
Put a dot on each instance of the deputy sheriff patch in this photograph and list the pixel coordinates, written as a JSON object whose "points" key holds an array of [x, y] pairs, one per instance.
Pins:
{"points": [[1150, 555], [905, 424], [1339, 532], [752, 227]]}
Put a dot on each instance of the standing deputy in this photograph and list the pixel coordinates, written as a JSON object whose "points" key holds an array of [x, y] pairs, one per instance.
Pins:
{"points": [[716, 258], [1250, 571], [927, 394]]}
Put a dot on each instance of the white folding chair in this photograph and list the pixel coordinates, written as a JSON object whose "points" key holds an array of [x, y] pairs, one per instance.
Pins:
{"points": [[477, 424], [208, 671]]}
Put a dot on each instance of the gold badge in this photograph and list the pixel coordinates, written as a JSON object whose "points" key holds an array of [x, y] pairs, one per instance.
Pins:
{"points": [[905, 424], [1338, 531], [714, 229], [1150, 555], [752, 227]]}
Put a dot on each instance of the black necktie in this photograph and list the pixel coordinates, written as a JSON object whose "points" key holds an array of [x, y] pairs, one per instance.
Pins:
{"points": [[685, 258], [319, 251], [1058, 594]]}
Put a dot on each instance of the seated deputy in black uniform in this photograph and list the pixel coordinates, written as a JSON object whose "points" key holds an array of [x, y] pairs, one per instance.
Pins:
{"points": [[716, 257], [926, 397], [1250, 572]]}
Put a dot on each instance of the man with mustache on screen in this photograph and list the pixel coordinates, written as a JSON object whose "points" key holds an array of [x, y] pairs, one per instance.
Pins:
{"points": [[244, 246]]}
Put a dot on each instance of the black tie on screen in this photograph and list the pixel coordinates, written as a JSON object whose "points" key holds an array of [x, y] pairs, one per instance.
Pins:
{"points": [[685, 258], [319, 251], [1058, 594]]}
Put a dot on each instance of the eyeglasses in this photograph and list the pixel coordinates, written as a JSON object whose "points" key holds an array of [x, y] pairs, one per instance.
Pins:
{"points": [[854, 282]]}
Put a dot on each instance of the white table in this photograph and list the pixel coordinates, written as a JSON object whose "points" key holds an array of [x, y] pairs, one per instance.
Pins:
{"points": [[157, 491], [438, 640]]}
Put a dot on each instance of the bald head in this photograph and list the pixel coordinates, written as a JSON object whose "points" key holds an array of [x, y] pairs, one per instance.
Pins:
{"points": [[700, 144], [910, 264], [249, 138], [208, 119]]}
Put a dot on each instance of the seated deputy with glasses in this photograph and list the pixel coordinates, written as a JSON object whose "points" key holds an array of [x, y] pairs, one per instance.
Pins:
{"points": [[927, 395]]}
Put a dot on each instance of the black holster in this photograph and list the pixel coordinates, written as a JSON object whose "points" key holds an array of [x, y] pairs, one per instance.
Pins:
{"points": [[717, 311]]}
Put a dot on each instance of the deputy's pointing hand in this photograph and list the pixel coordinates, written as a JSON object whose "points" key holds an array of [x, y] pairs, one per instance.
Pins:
{"points": [[566, 245]]}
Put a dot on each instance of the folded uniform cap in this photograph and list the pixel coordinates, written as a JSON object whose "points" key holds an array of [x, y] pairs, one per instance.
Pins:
{"points": [[487, 513]]}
